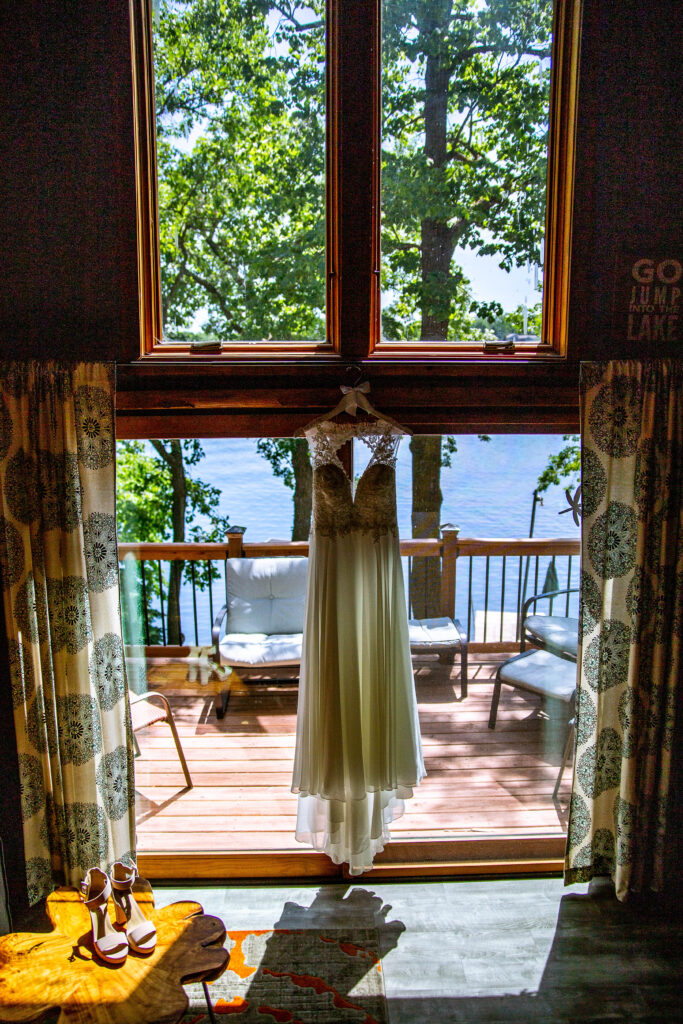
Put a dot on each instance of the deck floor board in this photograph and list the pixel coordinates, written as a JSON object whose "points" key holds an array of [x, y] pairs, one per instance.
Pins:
{"points": [[479, 781]]}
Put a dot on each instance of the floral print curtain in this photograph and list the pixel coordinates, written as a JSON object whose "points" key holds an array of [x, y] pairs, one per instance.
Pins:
{"points": [[621, 820], [59, 566]]}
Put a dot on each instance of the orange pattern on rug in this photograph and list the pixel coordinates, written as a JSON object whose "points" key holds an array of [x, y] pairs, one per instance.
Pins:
{"points": [[292, 976]]}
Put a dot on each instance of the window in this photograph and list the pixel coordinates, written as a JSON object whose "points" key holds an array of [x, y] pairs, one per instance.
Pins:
{"points": [[355, 179], [465, 107]]}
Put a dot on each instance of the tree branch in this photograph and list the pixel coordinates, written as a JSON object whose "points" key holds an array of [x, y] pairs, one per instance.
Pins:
{"points": [[491, 51], [298, 26], [159, 448], [212, 289]]}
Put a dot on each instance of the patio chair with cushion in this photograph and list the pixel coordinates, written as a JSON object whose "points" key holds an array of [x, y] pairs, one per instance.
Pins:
{"points": [[260, 628], [545, 674], [443, 636], [558, 634]]}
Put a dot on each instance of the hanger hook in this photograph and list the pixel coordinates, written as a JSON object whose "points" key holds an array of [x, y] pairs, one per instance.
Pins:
{"points": [[357, 371]]}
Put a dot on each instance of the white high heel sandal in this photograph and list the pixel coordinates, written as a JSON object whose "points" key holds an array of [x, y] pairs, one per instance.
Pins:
{"points": [[109, 944], [142, 935]]}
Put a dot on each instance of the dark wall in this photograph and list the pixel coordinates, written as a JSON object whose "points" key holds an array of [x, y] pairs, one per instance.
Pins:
{"points": [[68, 265], [67, 203], [629, 182]]}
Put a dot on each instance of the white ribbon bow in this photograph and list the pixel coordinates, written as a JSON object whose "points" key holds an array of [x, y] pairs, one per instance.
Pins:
{"points": [[353, 396]]}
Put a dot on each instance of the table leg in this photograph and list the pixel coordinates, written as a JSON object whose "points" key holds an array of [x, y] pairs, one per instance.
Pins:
{"points": [[208, 1003]]}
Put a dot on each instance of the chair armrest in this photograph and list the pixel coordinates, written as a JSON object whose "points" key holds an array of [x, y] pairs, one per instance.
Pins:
{"points": [[135, 698], [216, 633], [461, 632], [548, 594]]}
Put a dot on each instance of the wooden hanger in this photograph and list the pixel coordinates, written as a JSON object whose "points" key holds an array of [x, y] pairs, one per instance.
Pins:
{"points": [[353, 398]]}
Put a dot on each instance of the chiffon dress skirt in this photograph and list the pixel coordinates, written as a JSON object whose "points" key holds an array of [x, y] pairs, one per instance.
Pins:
{"points": [[358, 750]]}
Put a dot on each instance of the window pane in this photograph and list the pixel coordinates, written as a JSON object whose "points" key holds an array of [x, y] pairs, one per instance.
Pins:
{"points": [[465, 100], [240, 119], [480, 781]]}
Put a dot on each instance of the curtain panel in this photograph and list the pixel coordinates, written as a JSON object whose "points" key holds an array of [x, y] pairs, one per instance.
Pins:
{"points": [[59, 566], [624, 817]]}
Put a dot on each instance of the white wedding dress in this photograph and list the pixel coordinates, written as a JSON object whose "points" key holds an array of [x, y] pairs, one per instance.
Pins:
{"points": [[358, 750]]}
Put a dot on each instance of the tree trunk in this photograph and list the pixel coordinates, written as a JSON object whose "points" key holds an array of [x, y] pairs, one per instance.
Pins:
{"points": [[173, 457], [425, 576], [303, 490], [437, 246]]}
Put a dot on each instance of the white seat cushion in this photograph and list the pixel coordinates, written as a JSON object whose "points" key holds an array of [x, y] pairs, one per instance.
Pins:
{"points": [[541, 672], [266, 595], [242, 650], [432, 634], [555, 631]]}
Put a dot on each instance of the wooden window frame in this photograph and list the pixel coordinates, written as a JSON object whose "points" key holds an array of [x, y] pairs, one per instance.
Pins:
{"points": [[353, 149]]}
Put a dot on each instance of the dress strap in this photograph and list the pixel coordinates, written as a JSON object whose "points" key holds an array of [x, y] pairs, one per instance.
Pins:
{"points": [[326, 438]]}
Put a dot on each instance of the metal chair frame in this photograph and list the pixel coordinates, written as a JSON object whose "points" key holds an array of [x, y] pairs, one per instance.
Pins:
{"points": [[164, 715]]}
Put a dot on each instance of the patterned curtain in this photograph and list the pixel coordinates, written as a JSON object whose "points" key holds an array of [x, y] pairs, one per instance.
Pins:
{"points": [[622, 819], [59, 568]]}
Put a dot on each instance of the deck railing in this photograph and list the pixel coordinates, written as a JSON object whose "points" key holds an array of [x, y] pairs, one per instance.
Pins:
{"points": [[484, 582]]}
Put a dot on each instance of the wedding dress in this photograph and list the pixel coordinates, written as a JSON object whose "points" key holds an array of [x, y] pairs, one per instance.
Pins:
{"points": [[358, 750]]}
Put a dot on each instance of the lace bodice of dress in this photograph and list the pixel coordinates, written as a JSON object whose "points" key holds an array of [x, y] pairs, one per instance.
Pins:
{"points": [[335, 509], [326, 438]]}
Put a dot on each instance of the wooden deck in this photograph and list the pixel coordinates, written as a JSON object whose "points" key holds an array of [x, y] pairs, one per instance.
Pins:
{"points": [[480, 783]]}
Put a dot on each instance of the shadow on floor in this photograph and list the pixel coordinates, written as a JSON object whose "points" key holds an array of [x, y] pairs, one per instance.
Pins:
{"points": [[609, 962], [320, 963]]}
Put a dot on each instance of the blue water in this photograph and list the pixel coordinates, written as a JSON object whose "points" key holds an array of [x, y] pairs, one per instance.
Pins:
{"points": [[487, 492]]}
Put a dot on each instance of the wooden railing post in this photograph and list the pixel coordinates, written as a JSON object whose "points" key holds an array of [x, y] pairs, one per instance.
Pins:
{"points": [[449, 553], [235, 544]]}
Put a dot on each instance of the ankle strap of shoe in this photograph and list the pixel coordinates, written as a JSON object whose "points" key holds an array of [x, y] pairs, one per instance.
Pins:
{"points": [[100, 897], [123, 884]]}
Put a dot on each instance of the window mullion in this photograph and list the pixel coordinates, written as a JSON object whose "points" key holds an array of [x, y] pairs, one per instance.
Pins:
{"points": [[353, 175]]}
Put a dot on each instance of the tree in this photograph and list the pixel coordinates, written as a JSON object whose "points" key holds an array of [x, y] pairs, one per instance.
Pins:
{"points": [[156, 499], [291, 461], [241, 161], [464, 164], [565, 467]]}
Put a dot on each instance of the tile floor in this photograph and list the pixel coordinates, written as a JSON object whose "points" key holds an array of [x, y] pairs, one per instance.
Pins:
{"points": [[526, 950]]}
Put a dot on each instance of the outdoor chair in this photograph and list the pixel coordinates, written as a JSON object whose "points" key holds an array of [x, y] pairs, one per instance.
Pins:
{"points": [[543, 673], [558, 634], [260, 628], [443, 636], [148, 709], [263, 618]]}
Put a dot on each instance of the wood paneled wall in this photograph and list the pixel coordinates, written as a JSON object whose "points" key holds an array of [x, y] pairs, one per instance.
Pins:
{"points": [[629, 179], [68, 262], [67, 208]]}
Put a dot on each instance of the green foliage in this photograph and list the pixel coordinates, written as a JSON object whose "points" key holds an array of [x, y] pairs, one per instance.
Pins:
{"points": [[144, 503], [563, 468], [141, 494], [499, 324], [464, 108], [241, 157], [144, 495]]}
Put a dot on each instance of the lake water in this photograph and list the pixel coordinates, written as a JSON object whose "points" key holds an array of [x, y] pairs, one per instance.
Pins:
{"points": [[487, 492]]}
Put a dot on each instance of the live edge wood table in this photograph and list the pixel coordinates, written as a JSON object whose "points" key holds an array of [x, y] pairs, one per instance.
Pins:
{"points": [[41, 972]]}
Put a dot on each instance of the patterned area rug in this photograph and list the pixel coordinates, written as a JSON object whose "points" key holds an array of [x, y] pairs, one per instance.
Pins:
{"points": [[297, 977]]}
